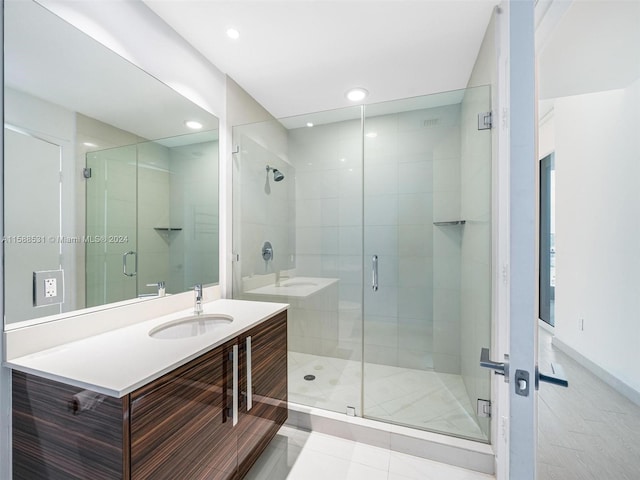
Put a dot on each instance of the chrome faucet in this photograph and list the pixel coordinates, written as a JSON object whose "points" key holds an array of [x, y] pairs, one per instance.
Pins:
{"points": [[160, 286], [197, 290]]}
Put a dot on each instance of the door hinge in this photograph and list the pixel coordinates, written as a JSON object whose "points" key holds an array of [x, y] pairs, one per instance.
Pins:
{"points": [[86, 172], [485, 121], [484, 408]]}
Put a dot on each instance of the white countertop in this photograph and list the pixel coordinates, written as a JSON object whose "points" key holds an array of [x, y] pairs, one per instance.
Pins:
{"points": [[118, 362]]}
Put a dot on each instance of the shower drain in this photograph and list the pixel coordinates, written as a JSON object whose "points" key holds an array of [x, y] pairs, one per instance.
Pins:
{"points": [[309, 377]]}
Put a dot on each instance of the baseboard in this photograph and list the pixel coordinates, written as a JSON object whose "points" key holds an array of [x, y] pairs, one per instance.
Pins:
{"points": [[614, 382], [440, 448]]}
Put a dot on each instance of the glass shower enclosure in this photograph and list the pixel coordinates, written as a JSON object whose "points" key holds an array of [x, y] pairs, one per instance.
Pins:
{"points": [[153, 208], [378, 235]]}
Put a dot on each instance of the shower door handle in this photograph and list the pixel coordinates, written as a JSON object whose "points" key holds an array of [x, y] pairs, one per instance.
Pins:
{"points": [[374, 272], [124, 263]]}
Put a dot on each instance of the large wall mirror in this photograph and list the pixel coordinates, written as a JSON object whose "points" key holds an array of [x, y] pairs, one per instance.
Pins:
{"points": [[108, 191]]}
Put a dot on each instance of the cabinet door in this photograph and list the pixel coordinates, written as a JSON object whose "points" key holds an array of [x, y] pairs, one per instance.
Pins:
{"points": [[180, 428], [62, 432], [268, 380]]}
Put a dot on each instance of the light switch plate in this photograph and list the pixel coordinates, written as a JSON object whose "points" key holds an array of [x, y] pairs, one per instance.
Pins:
{"points": [[48, 287]]}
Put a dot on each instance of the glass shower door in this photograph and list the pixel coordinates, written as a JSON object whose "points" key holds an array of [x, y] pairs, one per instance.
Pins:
{"points": [[312, 218], [427, 224], [111, 240]]}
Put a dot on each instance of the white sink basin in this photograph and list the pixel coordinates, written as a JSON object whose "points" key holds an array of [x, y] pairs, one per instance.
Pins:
{"points": [[298, 284], [191, 326]]}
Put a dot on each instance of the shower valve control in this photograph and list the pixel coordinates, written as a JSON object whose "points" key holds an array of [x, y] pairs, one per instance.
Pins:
{"points": [[267, 251]]}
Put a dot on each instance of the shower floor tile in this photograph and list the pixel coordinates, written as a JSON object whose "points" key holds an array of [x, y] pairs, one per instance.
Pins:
{"points": [[424, 399]]}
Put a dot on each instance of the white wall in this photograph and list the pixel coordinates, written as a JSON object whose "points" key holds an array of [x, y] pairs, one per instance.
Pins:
{"points": [[598, 228], [33, 174]]}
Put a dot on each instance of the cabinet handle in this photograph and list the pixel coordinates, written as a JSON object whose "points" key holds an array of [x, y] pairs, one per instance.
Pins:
{"points": [[249, 389], [234, 405]]}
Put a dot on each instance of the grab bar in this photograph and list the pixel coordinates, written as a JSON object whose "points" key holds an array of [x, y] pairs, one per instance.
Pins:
{"points": [[374, 268]]}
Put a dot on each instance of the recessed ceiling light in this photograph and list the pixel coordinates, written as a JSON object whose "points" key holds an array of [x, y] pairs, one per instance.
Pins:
{"points": [[357, 94], [372, 134], [89, 144], [192, 124], [233, 33], [309, 124]]}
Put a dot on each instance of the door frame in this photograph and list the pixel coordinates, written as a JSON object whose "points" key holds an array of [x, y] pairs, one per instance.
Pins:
{"points": [[515, 280]]}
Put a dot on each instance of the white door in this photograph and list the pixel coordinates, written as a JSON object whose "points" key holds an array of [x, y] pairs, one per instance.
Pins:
{"points": [[515, 340], [522, 233]]}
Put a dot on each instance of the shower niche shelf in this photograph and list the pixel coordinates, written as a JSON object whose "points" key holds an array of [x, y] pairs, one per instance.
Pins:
{"points": [[450, 223], [168, 229], [167, 233]]}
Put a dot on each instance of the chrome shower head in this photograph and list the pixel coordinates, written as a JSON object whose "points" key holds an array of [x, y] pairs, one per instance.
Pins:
{"points": [[277, 174]]}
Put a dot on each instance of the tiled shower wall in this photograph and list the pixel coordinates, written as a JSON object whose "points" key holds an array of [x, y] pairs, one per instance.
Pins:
{"points": [[404, 153], [193, 252], [266, 211], [328, 226]]}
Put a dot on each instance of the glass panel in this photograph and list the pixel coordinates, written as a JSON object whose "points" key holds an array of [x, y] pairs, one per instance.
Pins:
{"points": [[312, 219], [547, 239], [427, 222], [315, 214], [111, 211]]}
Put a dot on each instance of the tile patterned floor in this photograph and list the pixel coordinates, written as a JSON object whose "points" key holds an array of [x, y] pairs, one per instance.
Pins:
{"points": [[425, 399], [299, 455], [587, 431]]}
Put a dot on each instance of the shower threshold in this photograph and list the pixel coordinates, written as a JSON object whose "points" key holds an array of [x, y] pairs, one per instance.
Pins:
{"points": [[455, 451]]}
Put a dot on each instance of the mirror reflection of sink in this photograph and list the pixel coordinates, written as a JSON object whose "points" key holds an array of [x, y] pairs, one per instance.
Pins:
{"points": [[191, 326], [298, 284]]}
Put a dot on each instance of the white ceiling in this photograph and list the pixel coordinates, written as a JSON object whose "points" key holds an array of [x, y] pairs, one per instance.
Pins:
{"points": [[595, 46], [300, 56]]}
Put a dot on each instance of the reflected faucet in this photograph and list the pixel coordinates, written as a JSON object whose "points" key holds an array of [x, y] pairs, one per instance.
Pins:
{"points": [[197, 291], [161, 286]]}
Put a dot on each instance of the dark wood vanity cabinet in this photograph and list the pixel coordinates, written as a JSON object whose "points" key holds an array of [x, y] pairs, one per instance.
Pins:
{"points": [[265, 410], [180, 426]]}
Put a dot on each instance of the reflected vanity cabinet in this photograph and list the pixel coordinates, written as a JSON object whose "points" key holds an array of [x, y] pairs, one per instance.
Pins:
{"points": [[208, 419]]}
